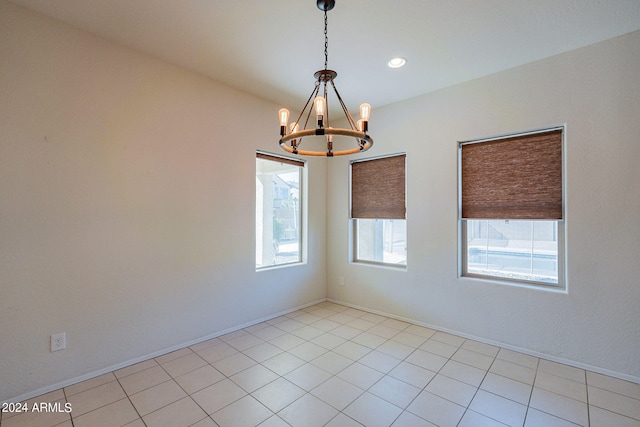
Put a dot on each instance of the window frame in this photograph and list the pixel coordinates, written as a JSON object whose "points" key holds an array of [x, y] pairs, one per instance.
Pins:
{"points": [[353, 221], [463, 264], [302, 214]]}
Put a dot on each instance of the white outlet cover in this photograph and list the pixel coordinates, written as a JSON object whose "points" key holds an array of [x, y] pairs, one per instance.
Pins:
{"points": [[58, 341]]}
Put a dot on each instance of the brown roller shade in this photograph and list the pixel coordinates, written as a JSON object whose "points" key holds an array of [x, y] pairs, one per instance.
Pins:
{"points": [[286, 160], [378, 188], [517, 177]]}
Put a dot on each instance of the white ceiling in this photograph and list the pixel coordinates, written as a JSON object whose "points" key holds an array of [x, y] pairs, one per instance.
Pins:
{"points": [[271, 48]]}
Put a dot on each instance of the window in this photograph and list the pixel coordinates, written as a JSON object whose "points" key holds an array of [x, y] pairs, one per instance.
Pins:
{"points": [[511, 208], [378, 210], [278, 210]]}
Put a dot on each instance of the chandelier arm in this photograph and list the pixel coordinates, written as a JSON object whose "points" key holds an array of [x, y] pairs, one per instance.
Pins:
{"points": [[352, 123], [326, 102], [306, 122], [314, 92]]}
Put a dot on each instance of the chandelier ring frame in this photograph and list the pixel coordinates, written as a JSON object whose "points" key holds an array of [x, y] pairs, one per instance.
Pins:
{"points": [[365, 141]]}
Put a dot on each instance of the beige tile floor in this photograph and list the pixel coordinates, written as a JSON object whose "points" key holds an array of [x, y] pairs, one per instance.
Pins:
{"points": [[330, 365]]}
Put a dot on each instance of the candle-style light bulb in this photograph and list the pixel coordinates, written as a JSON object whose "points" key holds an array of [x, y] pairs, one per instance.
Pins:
{"points": [[283, 115], [365, 111], [320, 105]]}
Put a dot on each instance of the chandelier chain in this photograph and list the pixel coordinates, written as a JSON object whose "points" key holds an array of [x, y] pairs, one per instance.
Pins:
{"points": [[326, 42]]}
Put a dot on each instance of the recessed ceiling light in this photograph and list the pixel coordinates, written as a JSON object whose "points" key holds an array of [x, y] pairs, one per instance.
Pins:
{"points": [[396, 62]]}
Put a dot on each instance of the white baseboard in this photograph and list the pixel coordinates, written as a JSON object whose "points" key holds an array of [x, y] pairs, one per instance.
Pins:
{"points": [[66, 383], [552, 358]]}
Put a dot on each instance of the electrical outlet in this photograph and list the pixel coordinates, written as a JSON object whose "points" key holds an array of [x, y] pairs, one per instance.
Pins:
{"points": [[341, 281], [58, 341]]}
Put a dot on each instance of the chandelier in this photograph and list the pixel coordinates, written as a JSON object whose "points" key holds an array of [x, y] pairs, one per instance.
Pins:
{"points": [[292, 141]]}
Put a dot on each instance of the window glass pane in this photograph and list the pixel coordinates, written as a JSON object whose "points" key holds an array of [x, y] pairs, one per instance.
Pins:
{"points": [[278, 216], [520, 250], [381, 240]]}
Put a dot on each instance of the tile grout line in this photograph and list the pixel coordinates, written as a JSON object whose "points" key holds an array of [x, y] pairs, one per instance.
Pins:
{"points": [[533, 385], [586, 386], [66, 399]]}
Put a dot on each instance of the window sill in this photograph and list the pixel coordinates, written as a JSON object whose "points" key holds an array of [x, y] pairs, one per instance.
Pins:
{"points": [[538, 286], [279, 266], [397, 267]]}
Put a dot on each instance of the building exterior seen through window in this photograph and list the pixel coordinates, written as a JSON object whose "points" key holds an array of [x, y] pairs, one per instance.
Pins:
{"points": [[278, 213]]}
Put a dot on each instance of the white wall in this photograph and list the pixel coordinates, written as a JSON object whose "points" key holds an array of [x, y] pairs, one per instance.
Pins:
{"points": [[595, 91], [127, 197]]}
